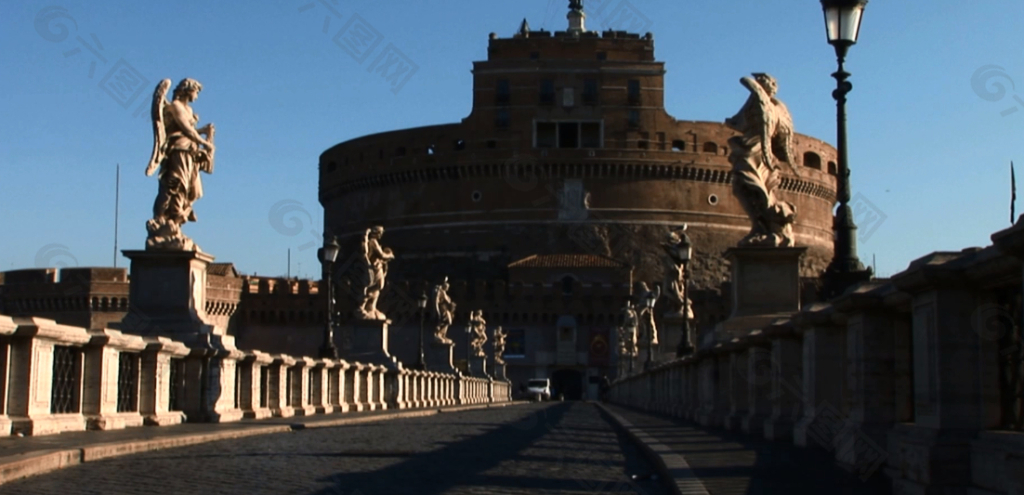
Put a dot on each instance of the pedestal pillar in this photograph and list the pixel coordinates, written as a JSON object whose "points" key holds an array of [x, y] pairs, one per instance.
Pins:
{"points": [[370, 343], [478, 366], [439, 357]]}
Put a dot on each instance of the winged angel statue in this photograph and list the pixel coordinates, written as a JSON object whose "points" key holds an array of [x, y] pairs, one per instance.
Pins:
{"points": [[767, 129], [180, 152]]}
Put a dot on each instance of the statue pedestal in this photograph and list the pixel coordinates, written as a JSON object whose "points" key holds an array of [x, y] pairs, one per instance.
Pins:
{"points": [[499, 370], [765, 286], [478, 366], [167, 298], [439, 357], [167, 295], [369, 343]]}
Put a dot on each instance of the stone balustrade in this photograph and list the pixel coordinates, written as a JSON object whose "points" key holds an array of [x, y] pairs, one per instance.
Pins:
{"points": [[56, 378], [919, 377]]}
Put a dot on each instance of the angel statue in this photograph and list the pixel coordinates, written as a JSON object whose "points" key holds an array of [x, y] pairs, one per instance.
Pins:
{"points": [[499, 345], [375, 267], [444, 312], [675, 271], [648, 297], [478, 326], [180, 152], [767, 131], [627, 331]]}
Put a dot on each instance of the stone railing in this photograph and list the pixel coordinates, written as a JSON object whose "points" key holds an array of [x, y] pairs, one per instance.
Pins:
{"points": [[919, 377], [56, 378]]}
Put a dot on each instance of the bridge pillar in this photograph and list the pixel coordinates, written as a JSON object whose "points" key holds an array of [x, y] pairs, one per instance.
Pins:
{"points": [[823, 358], [739, 390], [956, 394], [787, 388], [253, 388], [759, 389]]}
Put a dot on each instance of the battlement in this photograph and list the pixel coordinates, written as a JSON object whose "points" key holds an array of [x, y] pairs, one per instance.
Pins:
{"points": [[279, 286]]}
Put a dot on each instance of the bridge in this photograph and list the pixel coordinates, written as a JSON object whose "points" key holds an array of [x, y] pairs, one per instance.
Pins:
{"points": [[911, 384]]}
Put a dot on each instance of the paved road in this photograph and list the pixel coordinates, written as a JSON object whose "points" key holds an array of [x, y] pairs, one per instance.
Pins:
{"points": [[560, 448]]}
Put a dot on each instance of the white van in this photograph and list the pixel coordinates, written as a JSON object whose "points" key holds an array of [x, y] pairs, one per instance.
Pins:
{"points": [[539, 387]]}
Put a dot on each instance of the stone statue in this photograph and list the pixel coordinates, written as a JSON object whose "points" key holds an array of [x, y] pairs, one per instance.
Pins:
{"points": [[767, 131], [180, 152], [444, 312], [647, 313], [478, 326], [673, 284], [499, 345], [375, 267], [627, 331]]}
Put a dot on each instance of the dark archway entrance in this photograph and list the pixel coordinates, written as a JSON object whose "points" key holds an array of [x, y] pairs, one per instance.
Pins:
{"points": [[567, 382]]}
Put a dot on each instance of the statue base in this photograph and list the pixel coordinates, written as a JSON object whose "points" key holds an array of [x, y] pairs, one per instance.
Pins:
{"points": [[167, 296], [499, 371], [439, 357], [369, 343], [478, 366], [765, 286]]}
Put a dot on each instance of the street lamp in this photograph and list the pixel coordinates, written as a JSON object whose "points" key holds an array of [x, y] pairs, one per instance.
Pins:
{"points": [[685, 253], [422, 363], [650, 299], [842, 26], [328, 254], [469, 330]]}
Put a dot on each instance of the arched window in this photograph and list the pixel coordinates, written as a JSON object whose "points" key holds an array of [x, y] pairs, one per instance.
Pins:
{"points": [[567, 282], [832, 169], [710, 147], [678, 145], [812, 160]]}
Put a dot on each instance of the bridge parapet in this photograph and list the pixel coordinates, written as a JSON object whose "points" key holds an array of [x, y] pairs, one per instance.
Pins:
{"points": [[60, 378], [919, 377]]}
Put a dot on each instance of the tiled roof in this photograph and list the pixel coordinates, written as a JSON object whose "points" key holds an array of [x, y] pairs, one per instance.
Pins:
{"points": [[222, 269], [567, 261]]}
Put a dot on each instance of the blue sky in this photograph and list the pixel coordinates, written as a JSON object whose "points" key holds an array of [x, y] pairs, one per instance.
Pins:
{"points": [[929, 148]]}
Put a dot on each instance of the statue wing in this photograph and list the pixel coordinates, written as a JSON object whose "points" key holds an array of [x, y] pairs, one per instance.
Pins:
{"points": [[159, 131]]}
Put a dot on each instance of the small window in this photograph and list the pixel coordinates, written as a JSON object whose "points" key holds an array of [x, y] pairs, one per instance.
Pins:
{"points": [[534, 55], [710, 147], [590, 135], [546, 134], [501, 119], [590, 91], [678, 145], [400, 151], [460, 144], [634, 119], [832, 169], [812, 160], [568, 135], [642, 144], [547, 92], [567, 283], [634, 92], [502, 95]]}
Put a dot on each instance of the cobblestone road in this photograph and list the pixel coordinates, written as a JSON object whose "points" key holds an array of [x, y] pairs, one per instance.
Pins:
{"points": [[548, 448]]}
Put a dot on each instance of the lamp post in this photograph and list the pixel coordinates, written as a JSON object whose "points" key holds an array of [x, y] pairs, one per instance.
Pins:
{"points": [[422, 363], [842, 26], [685, 253], [328, 254], [469, 330], [650, 299]]}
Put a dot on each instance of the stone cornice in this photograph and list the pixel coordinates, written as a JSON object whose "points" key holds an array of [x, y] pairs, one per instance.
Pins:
{"points": [[943, 269]]}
